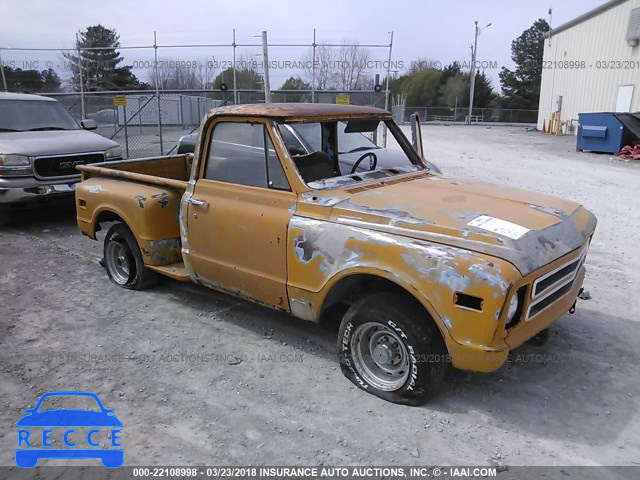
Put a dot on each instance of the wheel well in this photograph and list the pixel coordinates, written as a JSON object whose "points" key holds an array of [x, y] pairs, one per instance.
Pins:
{"points": [[105, 217], [352, 287]]}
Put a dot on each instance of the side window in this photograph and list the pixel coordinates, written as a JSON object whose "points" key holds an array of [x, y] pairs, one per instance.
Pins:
{"points": [[243, 153], [237, 154], [277, 178]]}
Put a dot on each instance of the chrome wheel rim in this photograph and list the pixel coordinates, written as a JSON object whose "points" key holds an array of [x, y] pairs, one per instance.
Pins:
{"points": [[118, 262], [380, 356]]}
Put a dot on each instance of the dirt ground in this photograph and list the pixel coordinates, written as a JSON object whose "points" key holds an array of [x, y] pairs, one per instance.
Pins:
{"points": [[200, 378]]}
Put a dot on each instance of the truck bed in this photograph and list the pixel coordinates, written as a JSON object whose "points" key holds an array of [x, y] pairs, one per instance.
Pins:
{"points": [[171, 171], [145, 195]]}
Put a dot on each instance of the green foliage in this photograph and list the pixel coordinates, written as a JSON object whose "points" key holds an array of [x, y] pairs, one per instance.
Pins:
{"points": [[98, 59], [447, 87], [245, 79], [521, 88], [295, 83], [32, 81]]}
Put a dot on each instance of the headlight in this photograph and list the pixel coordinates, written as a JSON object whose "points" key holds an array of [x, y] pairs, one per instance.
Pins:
{"points": [[513, 307], [14, 160], [15, 165], [113, 152]]}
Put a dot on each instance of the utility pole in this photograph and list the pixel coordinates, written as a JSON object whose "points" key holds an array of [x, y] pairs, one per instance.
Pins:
{"points": [[265, 62], [81, 77], [472, 84], [474, 57]]}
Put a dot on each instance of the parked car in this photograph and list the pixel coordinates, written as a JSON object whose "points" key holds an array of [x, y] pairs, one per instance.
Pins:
{"points": [[300, 140], [424, 269], [40, 146]]}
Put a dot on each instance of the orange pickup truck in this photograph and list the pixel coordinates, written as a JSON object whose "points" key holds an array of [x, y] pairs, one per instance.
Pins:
{"points": [[425, 270]]}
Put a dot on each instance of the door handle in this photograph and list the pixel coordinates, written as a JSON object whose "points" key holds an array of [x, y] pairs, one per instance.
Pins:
{"points": [[200, 203]]}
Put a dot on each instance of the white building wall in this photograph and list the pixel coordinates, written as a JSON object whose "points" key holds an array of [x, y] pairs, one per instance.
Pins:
{"points": [[586, 88]]}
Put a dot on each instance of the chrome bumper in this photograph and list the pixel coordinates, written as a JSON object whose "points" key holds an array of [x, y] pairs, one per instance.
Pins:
{"points": [[20, 190]]}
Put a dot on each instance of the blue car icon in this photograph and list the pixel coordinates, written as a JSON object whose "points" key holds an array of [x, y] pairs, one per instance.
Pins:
{"points": [[69, 419]]}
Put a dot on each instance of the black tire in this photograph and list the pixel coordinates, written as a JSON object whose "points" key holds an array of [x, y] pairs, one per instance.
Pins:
{"points": [[123, 260], [413, 380]]}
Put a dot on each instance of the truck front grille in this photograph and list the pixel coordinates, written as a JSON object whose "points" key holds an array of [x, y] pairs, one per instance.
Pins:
{"points": [[64, 165], [554, 285]]}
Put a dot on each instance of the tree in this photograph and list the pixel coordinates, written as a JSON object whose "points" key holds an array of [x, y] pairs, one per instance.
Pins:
{"points": [[174, 76], [422, 89], [351, 66], [521, 88], [46, 81], [341, 69], [295, 83], [97, 59], [324, 62]]}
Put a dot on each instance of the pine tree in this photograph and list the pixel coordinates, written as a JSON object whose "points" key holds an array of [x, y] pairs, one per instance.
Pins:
{"points": [[521, 88], [98, 59]]}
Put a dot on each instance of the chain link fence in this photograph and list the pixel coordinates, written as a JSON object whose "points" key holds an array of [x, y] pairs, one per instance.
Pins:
{"points": [[402, 115], [177, 83]]}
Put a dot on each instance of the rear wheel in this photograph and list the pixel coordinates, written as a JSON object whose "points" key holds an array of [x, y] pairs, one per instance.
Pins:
{"points": [[389, 347], [123, 260]]}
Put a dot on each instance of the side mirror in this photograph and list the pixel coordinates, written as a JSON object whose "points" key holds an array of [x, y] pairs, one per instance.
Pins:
{"points": [[89, 124], [416, 135]]}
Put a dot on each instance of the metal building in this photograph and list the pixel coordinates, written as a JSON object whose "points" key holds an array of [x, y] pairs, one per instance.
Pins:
{"points": [[592, 64]]}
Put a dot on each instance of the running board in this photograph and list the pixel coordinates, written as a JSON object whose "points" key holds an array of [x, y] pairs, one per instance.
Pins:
{"points": [[175, 271]]}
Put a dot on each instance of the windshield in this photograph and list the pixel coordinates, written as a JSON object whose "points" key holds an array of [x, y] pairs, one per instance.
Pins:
{"points": [[29, 115], [66, 402], [331, 154], [348, 142]]}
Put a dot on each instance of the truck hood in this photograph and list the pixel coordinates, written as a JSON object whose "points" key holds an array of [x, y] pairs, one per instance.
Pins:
{"points": [[53, 142], [527, 229]]}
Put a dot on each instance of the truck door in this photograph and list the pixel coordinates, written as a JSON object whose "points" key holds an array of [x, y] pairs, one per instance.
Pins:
{"points": [[239, 213]]}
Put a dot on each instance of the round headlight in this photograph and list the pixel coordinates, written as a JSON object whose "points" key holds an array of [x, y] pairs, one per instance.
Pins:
{"points": [[513, 307]]}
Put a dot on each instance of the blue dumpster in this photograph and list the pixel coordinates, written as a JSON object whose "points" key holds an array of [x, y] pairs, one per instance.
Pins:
{"points": [[607, 132]]}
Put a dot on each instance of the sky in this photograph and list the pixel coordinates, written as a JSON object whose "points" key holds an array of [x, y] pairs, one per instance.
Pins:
{"points": [[441, 31]]}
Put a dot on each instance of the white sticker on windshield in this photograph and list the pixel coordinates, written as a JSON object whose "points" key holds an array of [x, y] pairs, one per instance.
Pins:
{"points": [[499, 226]]}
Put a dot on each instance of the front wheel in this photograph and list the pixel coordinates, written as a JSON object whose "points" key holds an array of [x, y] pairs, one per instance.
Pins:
{"points": [[123, 260], [389, 347]]}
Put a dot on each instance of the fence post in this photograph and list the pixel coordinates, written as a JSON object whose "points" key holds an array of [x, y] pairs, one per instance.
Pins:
{"points": [[126, 133], [4, 80], [155, 55], [81, 78], [235, 87], [386, 91], [313, 69]]}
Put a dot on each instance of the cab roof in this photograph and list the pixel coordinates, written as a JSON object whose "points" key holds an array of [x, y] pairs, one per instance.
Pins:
{"points": [[285, 112]]}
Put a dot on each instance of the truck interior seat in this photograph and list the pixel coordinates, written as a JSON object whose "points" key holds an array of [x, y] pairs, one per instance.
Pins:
{"points": [[314, 166]]}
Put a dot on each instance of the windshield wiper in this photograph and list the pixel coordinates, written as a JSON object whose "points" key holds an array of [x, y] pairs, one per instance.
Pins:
{"points": [[45, 128], [360, 149]]}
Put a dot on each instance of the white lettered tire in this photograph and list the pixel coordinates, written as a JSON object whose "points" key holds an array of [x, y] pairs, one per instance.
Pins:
{"points": [[390, 347]]}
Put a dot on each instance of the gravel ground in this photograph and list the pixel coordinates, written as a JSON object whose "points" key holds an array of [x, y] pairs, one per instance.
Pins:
{"points": [[202, 378]]}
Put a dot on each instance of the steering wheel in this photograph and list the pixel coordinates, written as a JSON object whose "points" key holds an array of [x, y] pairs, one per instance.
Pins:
{"points": [[372, 163]]}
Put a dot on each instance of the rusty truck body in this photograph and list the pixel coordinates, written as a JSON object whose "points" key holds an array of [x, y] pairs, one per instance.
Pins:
{"points": [[425, 270]]}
